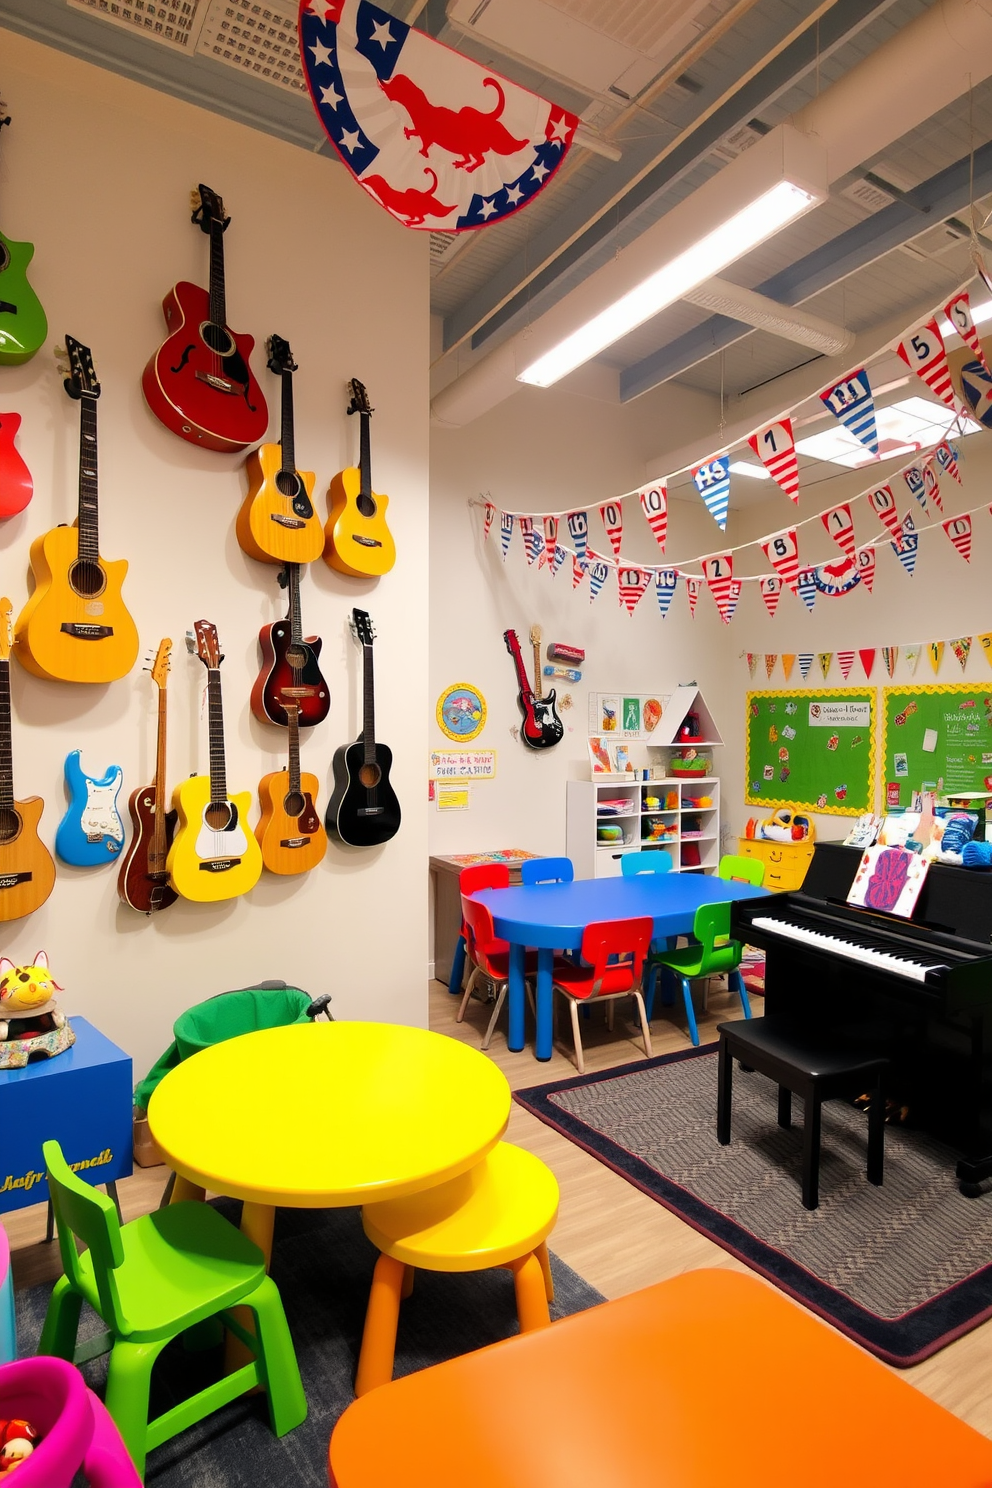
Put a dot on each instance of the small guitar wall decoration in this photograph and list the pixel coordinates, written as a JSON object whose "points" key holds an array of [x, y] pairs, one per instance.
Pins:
{"points": [[277, 522], [541, 727], [358, 542], [363, 809], [290, 670], [23, 324], [143, 882], [91, 832], [290, 833], [27, 873]]}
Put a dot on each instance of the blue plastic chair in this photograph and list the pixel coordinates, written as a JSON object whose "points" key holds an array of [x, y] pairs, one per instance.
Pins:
{"points": [[653, 860], [546, 870]]}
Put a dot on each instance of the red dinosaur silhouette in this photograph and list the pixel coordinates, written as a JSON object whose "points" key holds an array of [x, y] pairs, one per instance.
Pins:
{"points": [[412, 205], [466, 132]]}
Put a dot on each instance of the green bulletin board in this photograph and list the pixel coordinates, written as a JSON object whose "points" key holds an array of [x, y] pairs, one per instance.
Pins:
{"points": [[813, 748], [936, 737]]}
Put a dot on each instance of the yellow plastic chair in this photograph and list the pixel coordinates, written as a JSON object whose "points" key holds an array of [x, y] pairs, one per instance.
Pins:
{"points": [[500, 1213], [741, 870]]}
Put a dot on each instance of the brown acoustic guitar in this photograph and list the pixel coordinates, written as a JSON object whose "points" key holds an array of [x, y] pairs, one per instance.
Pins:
{"points": [[290, 833], [27, 871], [143, 882]]}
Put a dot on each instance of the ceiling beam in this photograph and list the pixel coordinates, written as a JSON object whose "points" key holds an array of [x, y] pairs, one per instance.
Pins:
{"points": [[566, 243], [926, 206]]}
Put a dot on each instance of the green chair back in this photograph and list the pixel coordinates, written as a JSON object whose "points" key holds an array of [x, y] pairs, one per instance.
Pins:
{"points": [[234, 1013], [744, 870], [81, 1210], [717, 952]]}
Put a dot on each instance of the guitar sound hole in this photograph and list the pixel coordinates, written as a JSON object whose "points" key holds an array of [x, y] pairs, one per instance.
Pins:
{"points": [[10, 824], [218, 816], [4, 257], [218, 338], [366, 505], [87, 579], [370, 775], [294, 803], [288, 484], [297, 658]]}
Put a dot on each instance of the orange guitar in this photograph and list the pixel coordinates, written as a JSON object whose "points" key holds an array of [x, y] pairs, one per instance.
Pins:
{"points": [[290, 833], [277, 522], [358, 541], [27, 872]]}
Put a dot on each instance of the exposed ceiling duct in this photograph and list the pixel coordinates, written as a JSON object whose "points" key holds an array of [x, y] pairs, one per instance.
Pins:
{"points": [[765, 314]]}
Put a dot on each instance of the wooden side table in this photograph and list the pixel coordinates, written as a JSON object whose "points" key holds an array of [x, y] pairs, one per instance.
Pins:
{"points": [[447, 899]]}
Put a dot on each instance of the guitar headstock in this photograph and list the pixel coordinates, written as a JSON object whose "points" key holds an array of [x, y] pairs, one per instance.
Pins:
{"points": [[202, 641], [512, 642], [280, 356], [160, 666], [208, 208], [75, 363], [6, 624], [359, 398], [362, 627], [535, 635]]}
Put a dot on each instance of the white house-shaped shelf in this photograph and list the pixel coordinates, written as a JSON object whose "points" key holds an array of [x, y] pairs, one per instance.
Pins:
{"points": [[685, 700]]}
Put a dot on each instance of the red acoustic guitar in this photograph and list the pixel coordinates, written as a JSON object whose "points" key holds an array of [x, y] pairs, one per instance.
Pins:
{"points": [[16, 485], [199, 383]]}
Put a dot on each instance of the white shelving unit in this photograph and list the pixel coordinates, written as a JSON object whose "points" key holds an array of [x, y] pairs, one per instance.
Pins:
{"points": [[698, 826]]}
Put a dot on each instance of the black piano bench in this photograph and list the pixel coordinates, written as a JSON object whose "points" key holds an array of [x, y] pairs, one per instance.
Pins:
{"points": [[815, 1069]]}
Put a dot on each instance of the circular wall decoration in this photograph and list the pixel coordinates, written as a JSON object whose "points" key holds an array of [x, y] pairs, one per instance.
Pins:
{"points": [[461, 712], [837, 578]]}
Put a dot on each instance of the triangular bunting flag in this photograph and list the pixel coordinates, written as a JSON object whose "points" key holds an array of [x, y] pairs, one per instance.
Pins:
{"points": [[556, 563], [866, 567], [825, 658], [597, 577], [807, 587], [985, 641], [867, 661], [505, 530], [932, 485], [718, 572], [805, 662], [958, 312], [782, 552], [851, 401], [654, 504], [712, 481], [935, 651], [771, 592], [890, 655], [962, 649], [578, 570], [613, 522], [488, 522], [883, 504], [752, 662], [913, 476], [946, 457], [770, 660], [958, 530], [732, 598], [632, 583], [775, 447], [665, 580], [840, 524], [578, 526], [788, 662], [692, 594], [911, 655], [922, 349], [846, 660], [550, 537], [533, 541], [906, 549]]}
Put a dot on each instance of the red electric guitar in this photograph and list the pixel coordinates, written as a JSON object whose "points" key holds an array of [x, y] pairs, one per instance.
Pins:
{"points": [[16, 485], [199, 382], [541, 727]]}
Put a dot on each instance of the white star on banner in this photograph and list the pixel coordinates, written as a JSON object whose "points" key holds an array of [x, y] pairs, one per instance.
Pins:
{"points": [[331, 96], [539, 171], [382, 34], [559, 129], [487, 209], [351, 139], [321, 55], [320, 8], [513, 195]]}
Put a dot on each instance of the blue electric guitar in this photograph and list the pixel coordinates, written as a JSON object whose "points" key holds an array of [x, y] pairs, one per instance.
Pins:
{"points": [[91, 832]]}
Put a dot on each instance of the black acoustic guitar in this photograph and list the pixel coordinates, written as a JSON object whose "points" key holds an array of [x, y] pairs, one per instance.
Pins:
{"points": [[363, 809], [541, 727]]}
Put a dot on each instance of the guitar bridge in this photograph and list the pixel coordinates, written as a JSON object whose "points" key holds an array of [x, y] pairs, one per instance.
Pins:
{"points": [[219, 865], [220, 384], [366, 542], [293, 522], [294, 842], [11, 880], [83, 632]]}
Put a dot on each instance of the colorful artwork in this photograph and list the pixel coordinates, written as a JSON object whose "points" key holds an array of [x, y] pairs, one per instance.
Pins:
{"points": [[461, 712], [889, 879]]}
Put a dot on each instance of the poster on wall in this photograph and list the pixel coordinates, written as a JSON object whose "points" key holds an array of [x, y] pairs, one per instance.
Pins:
{"points": [[811, 749], [461, 712], [626, 715], [936, 738]]}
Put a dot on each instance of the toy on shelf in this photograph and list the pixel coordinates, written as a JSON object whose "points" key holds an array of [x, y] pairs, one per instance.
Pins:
{"points": [[658, 830], [785, 826], [17, 1442], [31, 1021], [687, 764]]}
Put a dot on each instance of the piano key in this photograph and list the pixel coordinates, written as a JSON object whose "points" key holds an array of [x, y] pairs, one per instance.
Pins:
{"points": [[900, 962]]}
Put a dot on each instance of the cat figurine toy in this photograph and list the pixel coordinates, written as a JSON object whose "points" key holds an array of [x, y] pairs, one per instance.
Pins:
{"points": [[31, 1022]]}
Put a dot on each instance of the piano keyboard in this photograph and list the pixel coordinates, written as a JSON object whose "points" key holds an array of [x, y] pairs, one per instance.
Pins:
{"points": [[902, 965]]}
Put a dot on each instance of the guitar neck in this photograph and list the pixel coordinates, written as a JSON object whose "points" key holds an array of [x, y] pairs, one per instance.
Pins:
{"points": [[365, 456], [215, 713], [293, 721], [295, 616], [537, 666], [288, 436], [88, 516], [156, 858], [218, 299], [513, 646], [368, 710], [6, 750]]}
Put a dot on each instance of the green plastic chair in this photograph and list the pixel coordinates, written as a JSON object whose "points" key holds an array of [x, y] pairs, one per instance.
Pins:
{"points": [[151, 1280], [649, 860], [713, 955], [743, 870]]}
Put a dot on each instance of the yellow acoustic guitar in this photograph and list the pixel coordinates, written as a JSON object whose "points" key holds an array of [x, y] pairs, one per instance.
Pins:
{"points": [[358, 540], [27, 872], [214, 854], [290, 833], [75, 628], [277, 522]]}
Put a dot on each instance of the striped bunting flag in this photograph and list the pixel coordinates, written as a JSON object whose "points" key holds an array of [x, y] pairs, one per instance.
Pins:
{"points": [[712, 481], [718, 572], [505, 530], [665, 580], [598, 570], [782, 552], [578, 527], [840, 525], [931, 485], [771, 657], [946, 456], [487, 524], [913, 476], [883, 504], [654, 504], [866, 567], [867, 661], [852, 403], [732, 598], [692, 594], [958, 530], [558, 560], [922, 349], [807, 587], [775, 447], [846, 661], [533, 541], [612, 516], [890, 655], [550, 537], [578, 570], [805, 662], [632, 583], [906, 549], [771, 592], [958, 312]]}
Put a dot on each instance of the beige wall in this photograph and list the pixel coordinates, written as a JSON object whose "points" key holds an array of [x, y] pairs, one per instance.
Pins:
{"points": [[97, 172]]}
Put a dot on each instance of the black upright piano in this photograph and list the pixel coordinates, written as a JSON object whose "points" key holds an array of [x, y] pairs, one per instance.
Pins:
{"points": [[920, 990]]}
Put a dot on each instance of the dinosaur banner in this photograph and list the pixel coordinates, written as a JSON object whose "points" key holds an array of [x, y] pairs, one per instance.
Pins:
{"points": [[439, 141]]}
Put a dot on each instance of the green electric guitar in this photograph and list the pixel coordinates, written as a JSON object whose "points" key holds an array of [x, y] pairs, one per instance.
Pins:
{"points": [[23, 324]]}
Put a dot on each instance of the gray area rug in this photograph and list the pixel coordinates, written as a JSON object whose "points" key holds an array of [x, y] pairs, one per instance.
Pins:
{"points": [[903, 1268], [322, 1264]]}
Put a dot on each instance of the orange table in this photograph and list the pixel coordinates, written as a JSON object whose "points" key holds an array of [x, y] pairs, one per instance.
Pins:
{"points": [[710, 1379]]}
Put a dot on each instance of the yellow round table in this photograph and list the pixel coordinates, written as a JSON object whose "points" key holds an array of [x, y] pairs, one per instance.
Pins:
{"points": [[321, 1115]]}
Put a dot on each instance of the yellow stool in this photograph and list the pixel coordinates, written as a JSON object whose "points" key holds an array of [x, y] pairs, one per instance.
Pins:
{"points": [[500, 1213]]}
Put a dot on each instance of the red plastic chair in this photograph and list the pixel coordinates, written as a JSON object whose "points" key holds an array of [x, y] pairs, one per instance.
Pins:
{"points": [[600, 979], [491, 957], [470, 881]]}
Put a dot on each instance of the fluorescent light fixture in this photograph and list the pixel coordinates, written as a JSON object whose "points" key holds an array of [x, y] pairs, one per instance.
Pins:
{"points": [[756, 472], [903, 428], [737, 235]]}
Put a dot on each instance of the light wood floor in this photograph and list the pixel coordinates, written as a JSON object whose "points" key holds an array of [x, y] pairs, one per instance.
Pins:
{"points": [[608, 1231]]}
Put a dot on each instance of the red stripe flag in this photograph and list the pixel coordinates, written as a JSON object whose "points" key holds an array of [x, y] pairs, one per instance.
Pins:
{"points": [[866, 567], [490, 513], [782, 552], [632, 583], [550, 537], [771, 591], [654, 504], [883, 504], [931, 485], [734, 596], [718, 572], [846, 659], [692, 594], [867, 661], [946, 456], [578, 570], [922, 349], [958, 530], [775, 447], [958, 312], [840, 525], [613, 522]]}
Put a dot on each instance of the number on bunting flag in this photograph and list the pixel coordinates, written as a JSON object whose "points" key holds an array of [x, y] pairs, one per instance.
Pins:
{"points": [[665, 580], [851, 401], [550, 537], [883, 504], [613, 522], [913, 476], [505, 530], [488, 522], [578, 527], [782, 552], [958, 312], [922, 349], [906, 548], [806, 587], [866, 567], [958, 530], [598, 570], [946, 457], [775, 447], [632, 583], [712, 481], [654, 504], [932, 485], [732, 598], [840, 525], [719, 574], [692, 594], [771, 592]]}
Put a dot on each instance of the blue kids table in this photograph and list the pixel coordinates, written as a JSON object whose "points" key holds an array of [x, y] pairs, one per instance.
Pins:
{"points": [[552, 917], [82, 1098]]}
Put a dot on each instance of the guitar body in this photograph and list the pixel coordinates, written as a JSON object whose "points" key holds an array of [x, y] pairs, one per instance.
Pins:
{"points": [[91, 832], [101, 641], [208, 397], [23, 323], [272, 526], [209, 862], [137, 885], [290, 833], [362, 813], [292, 671], [27, 872], [16, 485], [355, 544], [541, 727]]}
